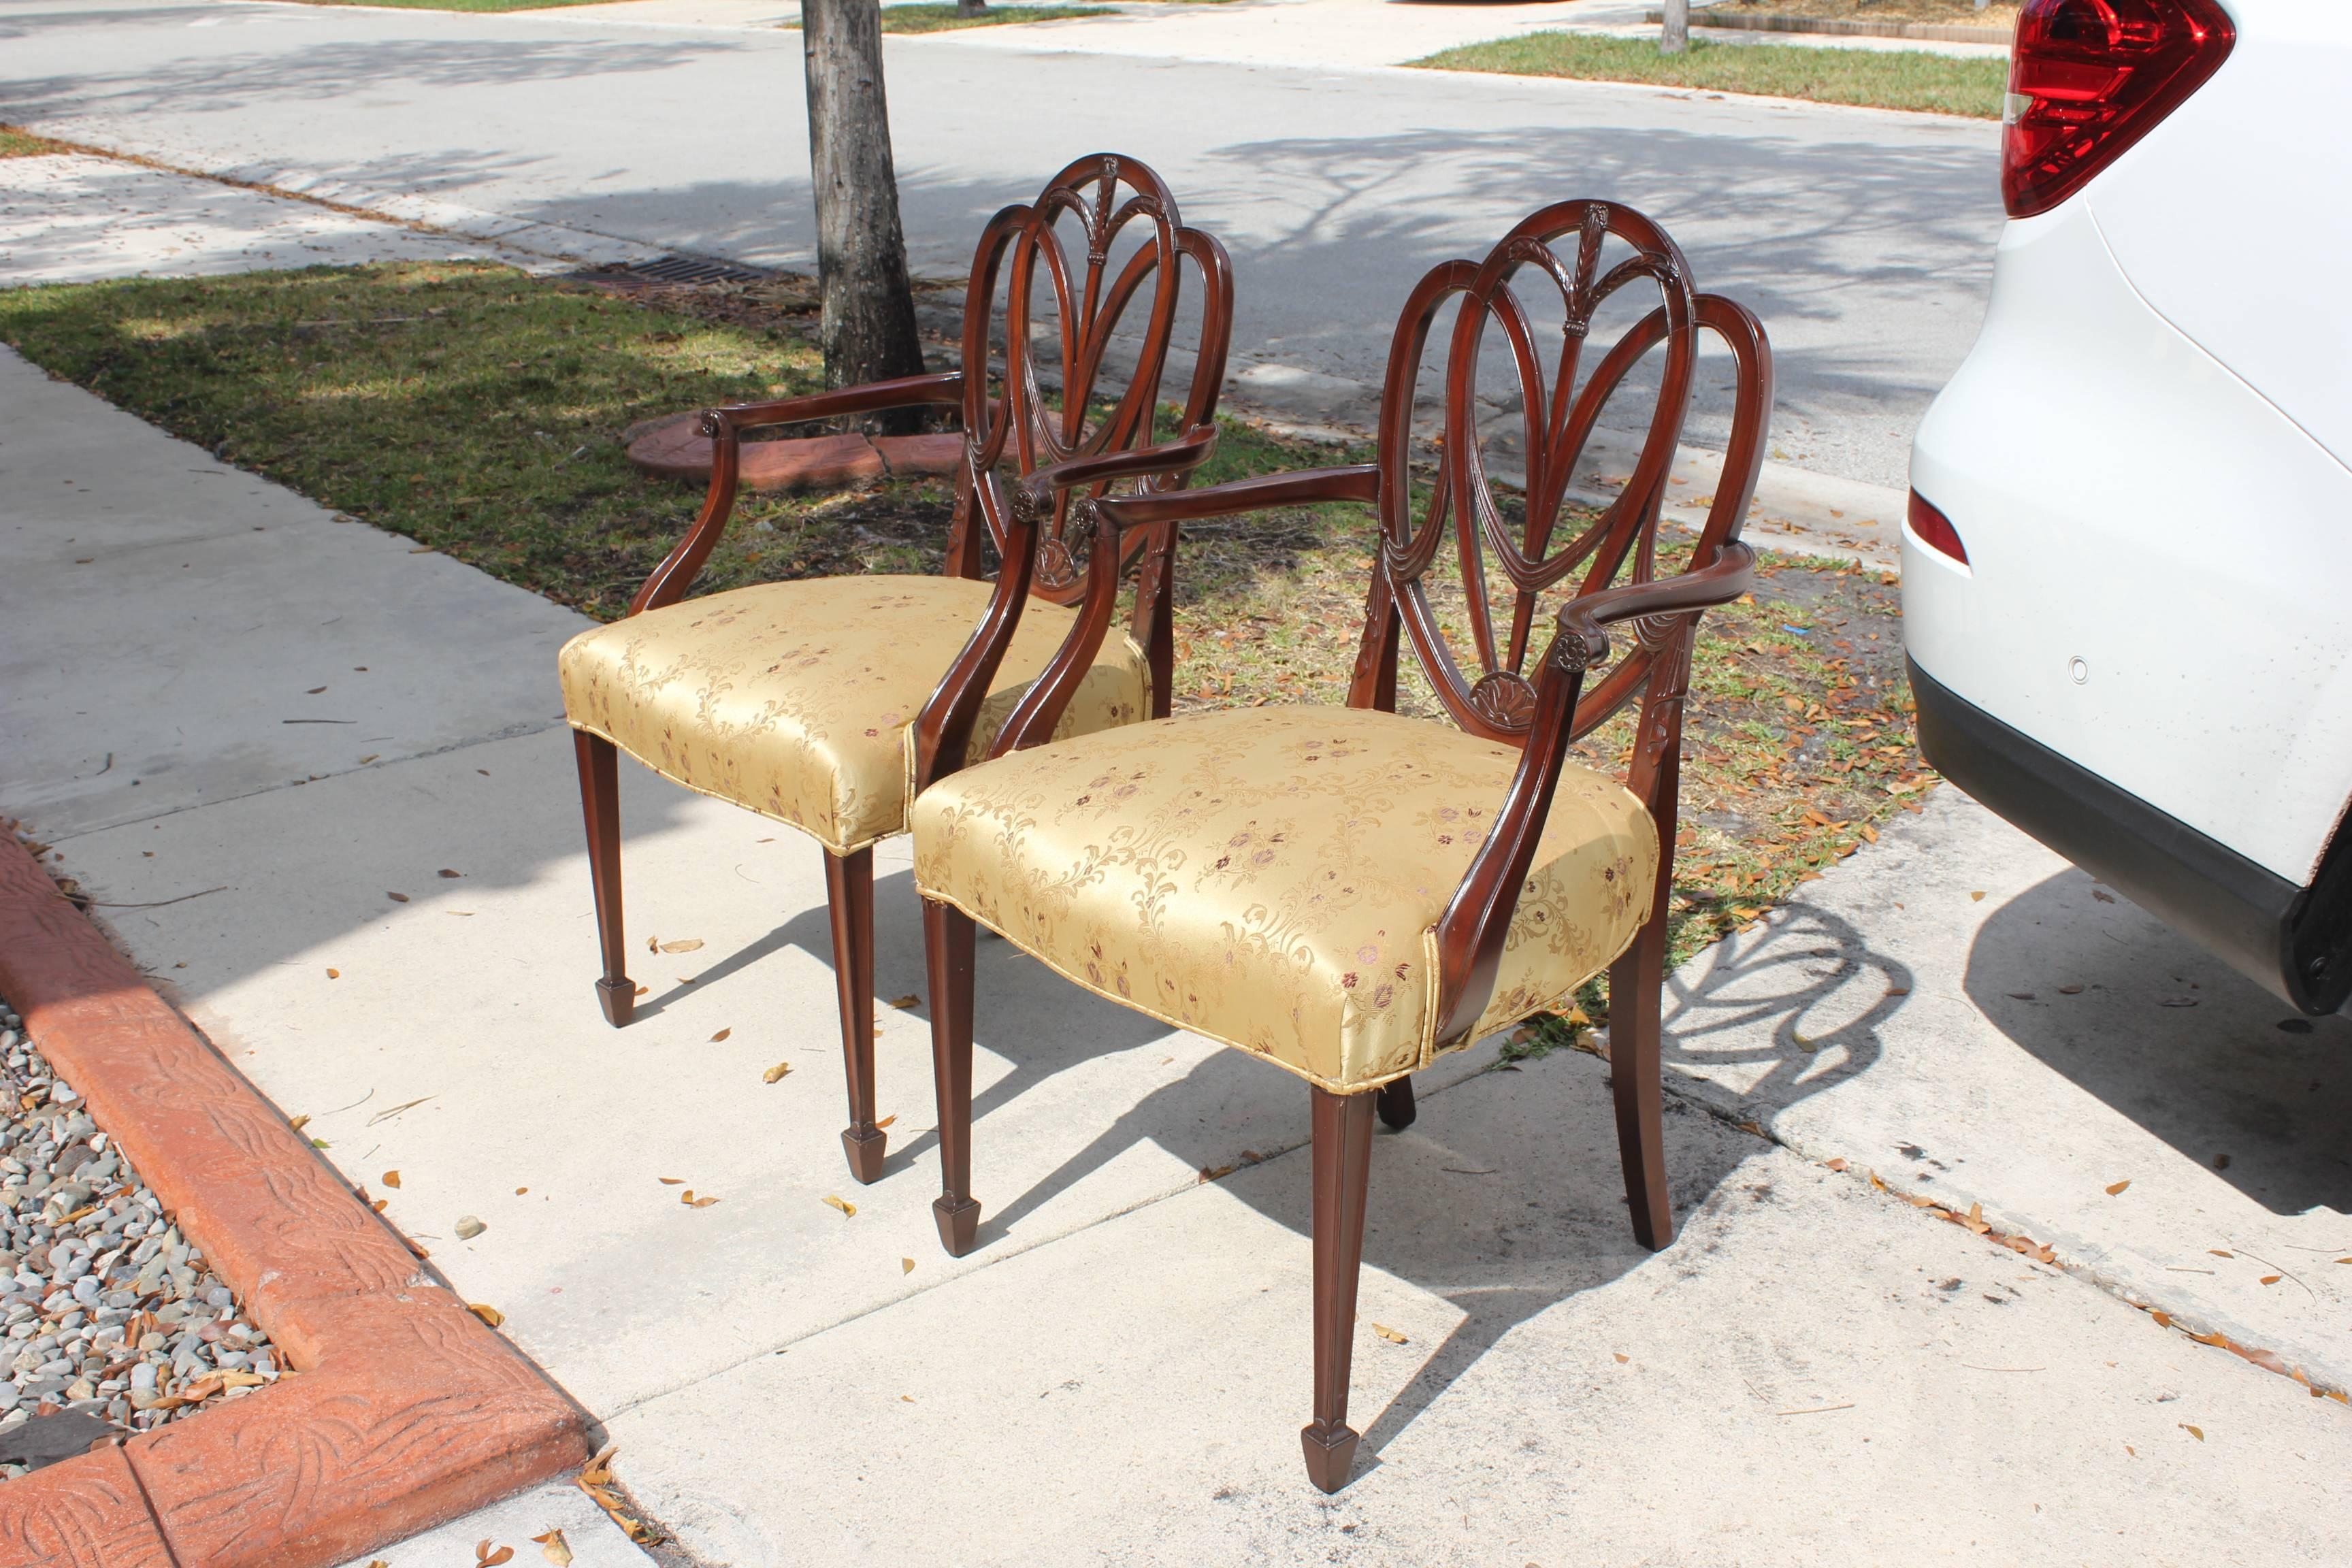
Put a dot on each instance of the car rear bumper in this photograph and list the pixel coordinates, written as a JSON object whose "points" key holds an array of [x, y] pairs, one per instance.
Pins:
{"points": [[2296, 942]]}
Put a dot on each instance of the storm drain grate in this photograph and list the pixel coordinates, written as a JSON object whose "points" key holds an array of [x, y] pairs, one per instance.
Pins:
{"points": [[670, 269]]}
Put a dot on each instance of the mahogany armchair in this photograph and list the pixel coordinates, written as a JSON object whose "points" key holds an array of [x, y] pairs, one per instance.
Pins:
{"points": [[799, 700], [1349, 892]]}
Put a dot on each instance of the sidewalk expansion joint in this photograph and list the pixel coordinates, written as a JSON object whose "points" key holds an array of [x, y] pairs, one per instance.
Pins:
{"points": [[510, 733], [2042, 1253]]}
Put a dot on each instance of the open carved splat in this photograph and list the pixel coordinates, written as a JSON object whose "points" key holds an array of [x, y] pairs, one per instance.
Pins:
{"points": [[1508, 541], [1054, 282]]}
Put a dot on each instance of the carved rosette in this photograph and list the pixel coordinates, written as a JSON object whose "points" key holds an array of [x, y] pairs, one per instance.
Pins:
{"points": [[1574, 652], [1504, 699]]}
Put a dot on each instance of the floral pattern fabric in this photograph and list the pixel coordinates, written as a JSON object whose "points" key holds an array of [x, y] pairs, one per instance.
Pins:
{"points": [[795, 699], [1272, 878]]}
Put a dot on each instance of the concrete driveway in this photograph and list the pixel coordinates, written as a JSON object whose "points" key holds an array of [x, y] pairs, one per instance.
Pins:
{"points": [[1863, 238]]}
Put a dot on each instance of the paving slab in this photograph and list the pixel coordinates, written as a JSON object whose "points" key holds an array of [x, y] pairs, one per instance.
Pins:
{"points": [[594, 1540], [1982, 1024], [1811, 1374], [169, 617], [70, 218], [457, 1041]]}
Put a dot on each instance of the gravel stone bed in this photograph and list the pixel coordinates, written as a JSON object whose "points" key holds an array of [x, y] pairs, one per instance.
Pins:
{"points": [[113, 1321]]}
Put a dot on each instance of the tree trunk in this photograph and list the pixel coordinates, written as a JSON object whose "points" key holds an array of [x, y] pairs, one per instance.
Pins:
{"points": [[980, 7], [867, 320], [1674, 37]]}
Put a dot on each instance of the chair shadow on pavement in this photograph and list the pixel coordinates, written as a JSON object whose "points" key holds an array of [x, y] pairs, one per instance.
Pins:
{"points": [[2170, 1036], [1792, 1007], [1505, 1198]]}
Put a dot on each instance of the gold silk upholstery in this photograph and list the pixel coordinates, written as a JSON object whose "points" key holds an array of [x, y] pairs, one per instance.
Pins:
{"points": [[796, 699], [1272, 877]]}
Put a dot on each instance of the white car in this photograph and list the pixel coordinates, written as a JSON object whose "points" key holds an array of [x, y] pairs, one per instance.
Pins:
{"points": [[2127, 568]]}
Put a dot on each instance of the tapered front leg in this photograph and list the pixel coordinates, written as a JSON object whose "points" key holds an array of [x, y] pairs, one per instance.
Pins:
{"points": [[600, 805], [849, 894], [1635, 983], [1343, 1166], [947, 953]]}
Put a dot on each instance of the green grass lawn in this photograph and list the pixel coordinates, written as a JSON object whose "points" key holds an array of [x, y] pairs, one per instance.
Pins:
{"points": [[1876, 79], [481, 412], [16, 143]]}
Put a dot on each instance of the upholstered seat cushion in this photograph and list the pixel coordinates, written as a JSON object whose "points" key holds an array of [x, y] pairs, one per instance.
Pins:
{"points": [[1272, 877], [795, 698]]}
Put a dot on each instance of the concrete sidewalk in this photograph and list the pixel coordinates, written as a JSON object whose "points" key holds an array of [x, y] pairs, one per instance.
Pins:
{"points": [[1816, 1372]]}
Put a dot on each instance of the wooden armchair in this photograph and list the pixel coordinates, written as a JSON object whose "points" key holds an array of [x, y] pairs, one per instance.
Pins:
{"points": [[1345, 891], [798, 699]]}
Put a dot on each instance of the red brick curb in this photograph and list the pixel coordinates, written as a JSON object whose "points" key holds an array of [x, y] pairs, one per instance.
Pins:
{"points": [[676, 448], [408, 1411]]}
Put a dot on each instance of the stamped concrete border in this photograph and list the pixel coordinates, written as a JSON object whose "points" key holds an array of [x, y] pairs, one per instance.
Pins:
{"points": [[409, 1410]]}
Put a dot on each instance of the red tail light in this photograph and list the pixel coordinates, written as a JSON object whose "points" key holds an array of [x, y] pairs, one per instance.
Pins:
{"points": [[2089, 77], [1936, 531]]}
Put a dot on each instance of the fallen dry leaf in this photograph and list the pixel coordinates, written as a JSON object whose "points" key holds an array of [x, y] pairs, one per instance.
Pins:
{"points": [[1976, 898], [2196, 1432], [487, 1312], [905, 1266], [392, 1179], [1215, 1172], [334, 974], [554, 1548], [720, 1035], [486, 1558], [2116, 1190], [1834, 1164], [846, 1208], [398, 898], [1622, 1357], [598, 1471], [886, 1122], [300, 1122], [447, 872], [773, 1073], [2219, 1253], [1389, 1334], [1975, 1220], [2104, 896], [908, 1000], [684, 944], [671, 1181], [2271, 1278], [704, 1202]]}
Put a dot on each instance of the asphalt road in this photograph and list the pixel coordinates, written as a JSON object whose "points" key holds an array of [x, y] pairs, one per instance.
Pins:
{"points": [[1864, 239]]}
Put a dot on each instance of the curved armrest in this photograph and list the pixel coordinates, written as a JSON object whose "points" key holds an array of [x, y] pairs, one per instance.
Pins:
{"points": [[1169, 459], [1471, 933], [1731, 573], [1356, 481], [669, 581], [943, 388]]}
